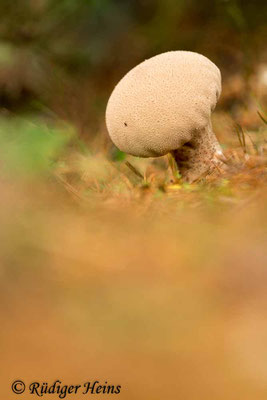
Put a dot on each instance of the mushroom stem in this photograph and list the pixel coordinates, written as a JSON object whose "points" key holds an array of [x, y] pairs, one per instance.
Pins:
{"points": [[200, 156]]}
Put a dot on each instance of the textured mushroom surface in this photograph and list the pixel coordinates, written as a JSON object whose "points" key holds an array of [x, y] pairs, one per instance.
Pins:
{"points": [[164, 103]]}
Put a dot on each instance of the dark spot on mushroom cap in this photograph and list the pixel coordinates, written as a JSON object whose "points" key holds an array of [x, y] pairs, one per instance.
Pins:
{"points": [[125, 124]]}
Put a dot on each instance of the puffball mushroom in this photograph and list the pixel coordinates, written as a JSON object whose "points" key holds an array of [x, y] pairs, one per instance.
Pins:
{"points": [[164, 105]]}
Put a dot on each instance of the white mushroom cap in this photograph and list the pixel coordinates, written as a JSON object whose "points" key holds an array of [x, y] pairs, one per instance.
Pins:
{"points": [[160, 103]]}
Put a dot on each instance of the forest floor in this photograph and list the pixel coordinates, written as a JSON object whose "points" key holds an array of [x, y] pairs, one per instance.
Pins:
{"points": [[114, 270]]}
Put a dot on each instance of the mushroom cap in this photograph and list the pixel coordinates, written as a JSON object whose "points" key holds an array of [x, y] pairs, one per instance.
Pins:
{"points": [[161, 103]]}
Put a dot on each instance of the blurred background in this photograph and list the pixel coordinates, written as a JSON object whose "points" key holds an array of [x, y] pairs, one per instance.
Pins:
{"points": [[69, 54], [111, 268]]}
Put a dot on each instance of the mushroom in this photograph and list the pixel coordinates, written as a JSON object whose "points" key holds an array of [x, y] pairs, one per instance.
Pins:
{"points": [[164, 105]]}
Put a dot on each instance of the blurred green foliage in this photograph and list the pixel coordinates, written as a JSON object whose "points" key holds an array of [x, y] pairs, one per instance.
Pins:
{"points": [[30, 148]]}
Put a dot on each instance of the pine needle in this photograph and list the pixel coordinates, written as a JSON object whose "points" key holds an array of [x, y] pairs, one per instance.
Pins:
{"points": [[241, 137], [262, 117], [134, 170]]}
